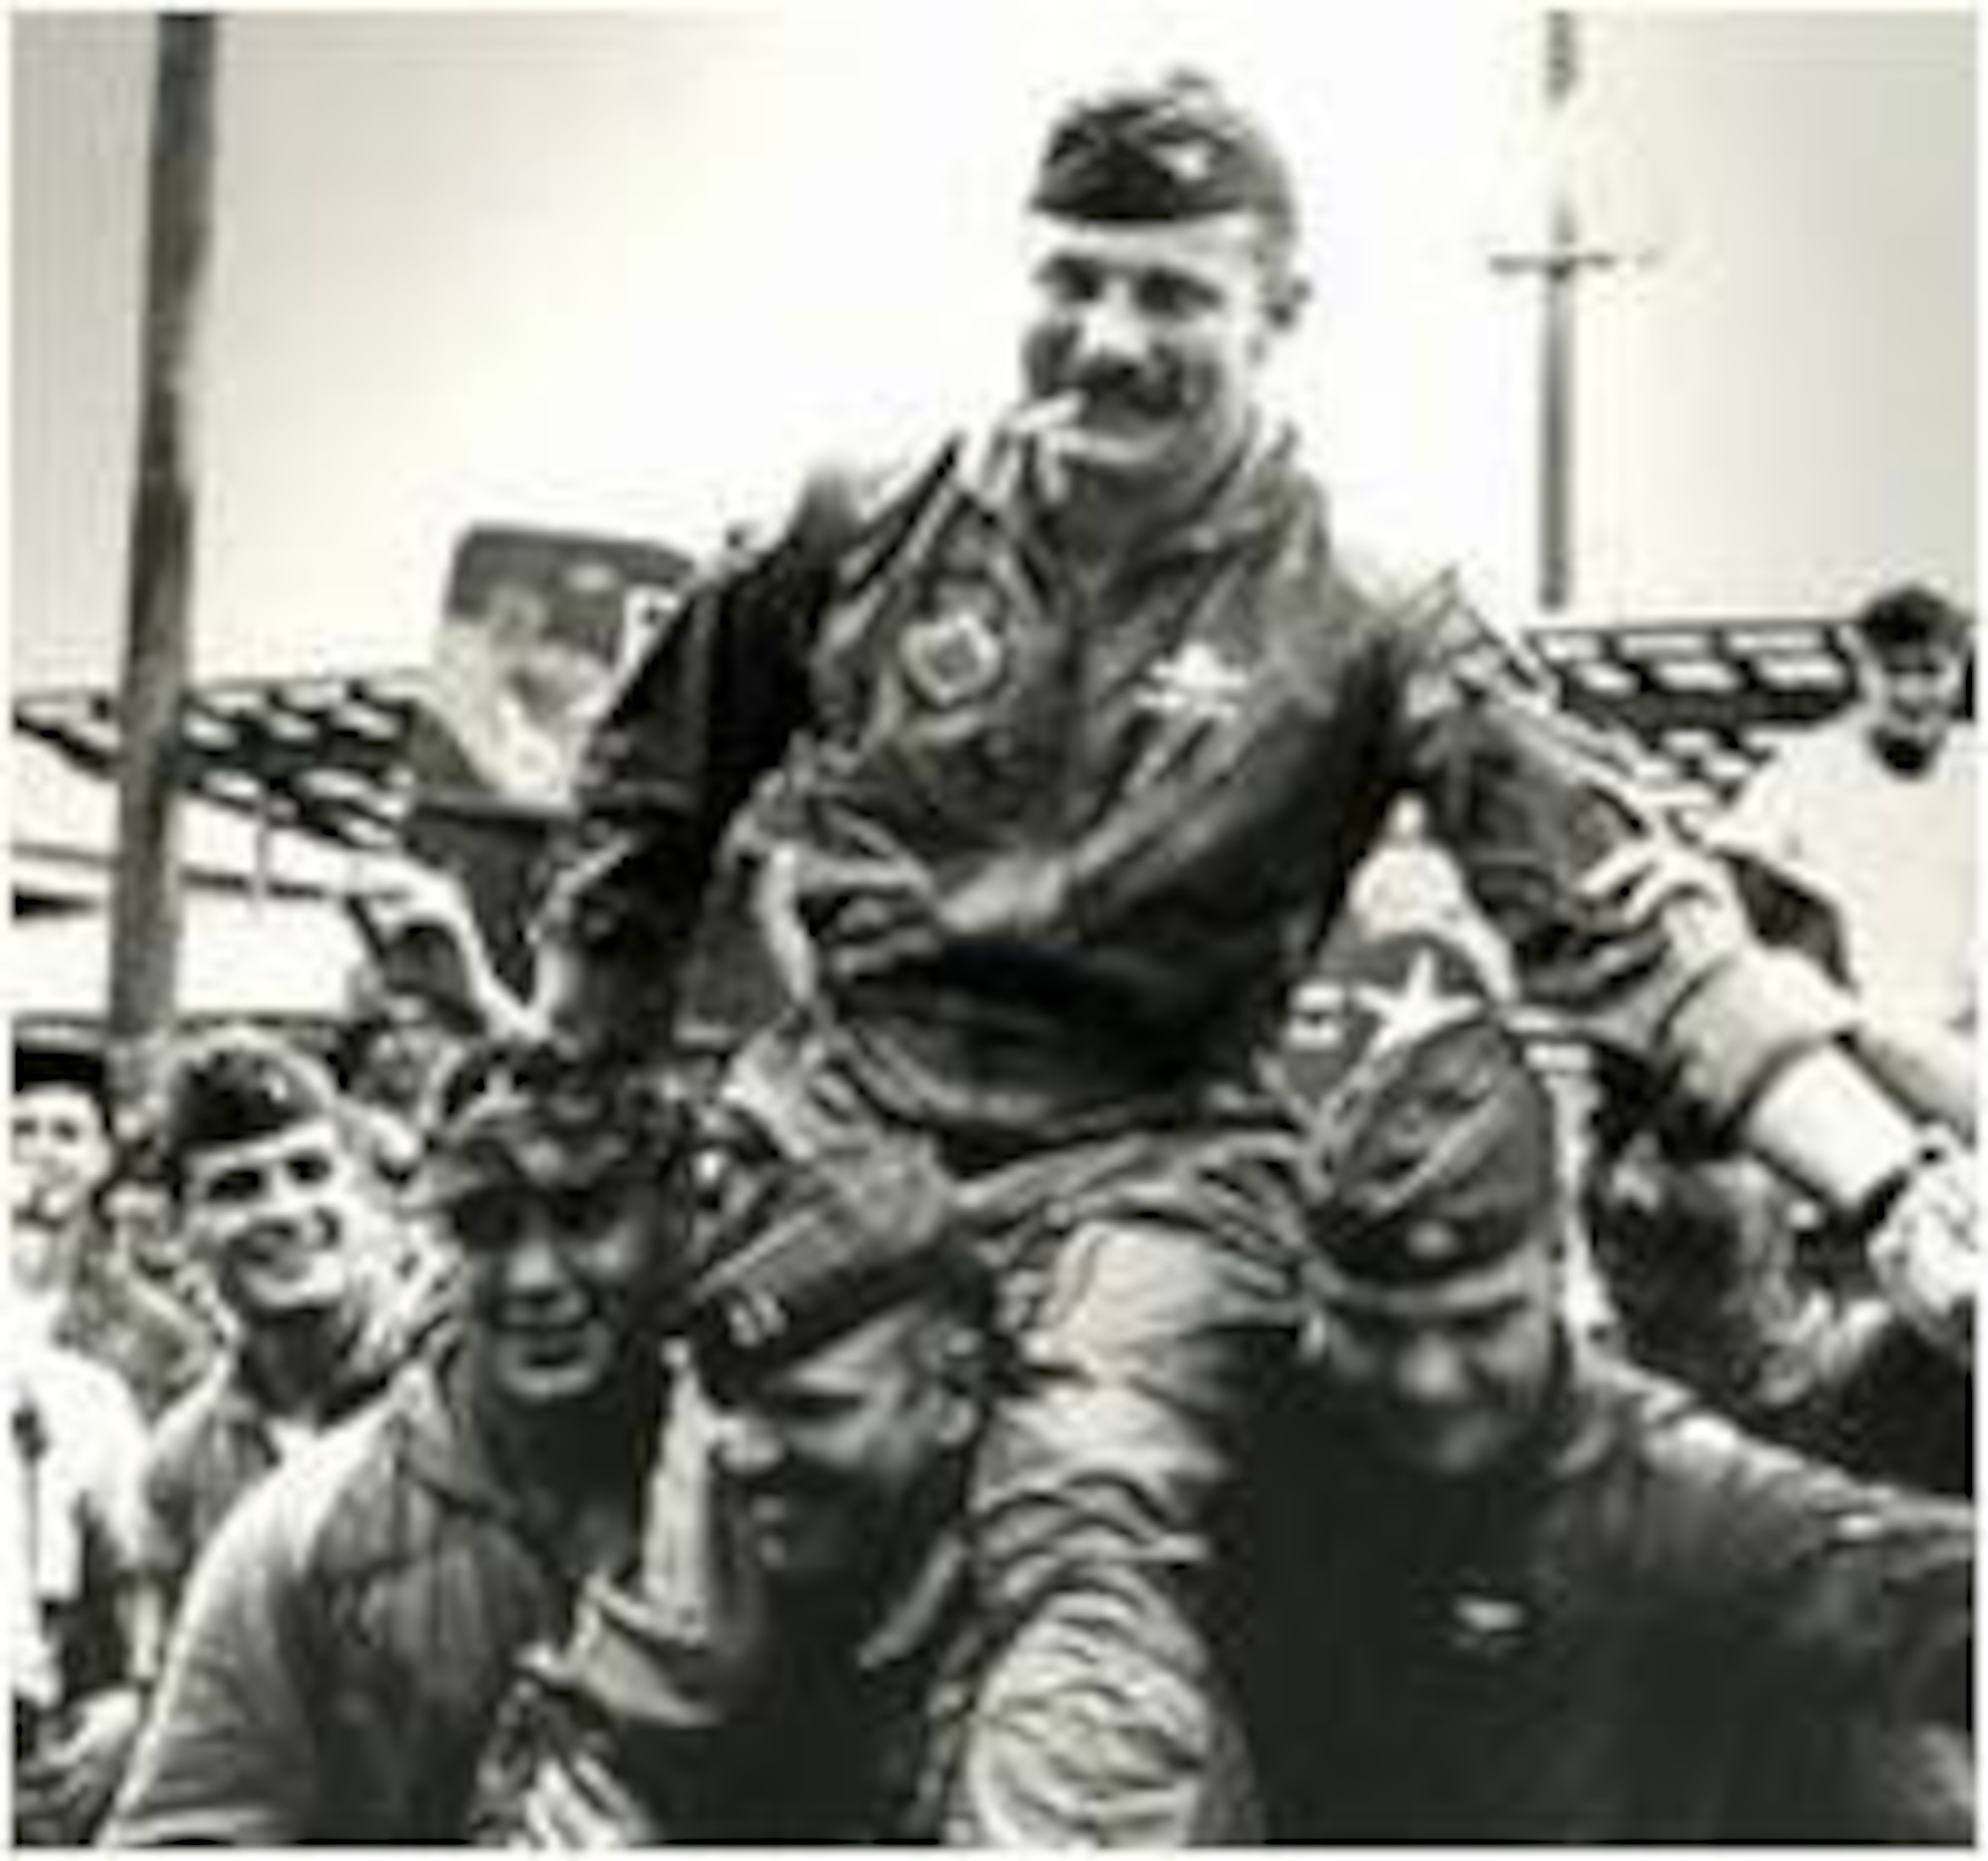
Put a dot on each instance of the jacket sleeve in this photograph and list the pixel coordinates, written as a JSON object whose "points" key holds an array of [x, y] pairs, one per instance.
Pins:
{"points": [[1847, 1590], [1528, 798], [228, 1755], [708, 708]]}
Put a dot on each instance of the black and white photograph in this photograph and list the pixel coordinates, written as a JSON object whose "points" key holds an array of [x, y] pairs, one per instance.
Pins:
{"points": [[1005, 925]]}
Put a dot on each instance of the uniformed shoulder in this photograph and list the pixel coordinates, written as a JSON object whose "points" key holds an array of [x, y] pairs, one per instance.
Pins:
{"points": [[1661, 1416], [176, 1436], [1393, 580], [854, 510], [858, 494], [1420, 606], [1699, 1464], [309, 1505]]}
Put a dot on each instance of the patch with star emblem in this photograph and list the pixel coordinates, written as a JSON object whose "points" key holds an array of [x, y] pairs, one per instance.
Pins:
{"points": [[959, 653], [1371, 996]]}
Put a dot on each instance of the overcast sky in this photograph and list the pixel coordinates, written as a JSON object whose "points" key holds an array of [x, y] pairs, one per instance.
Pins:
{"points": [[630, 271]]}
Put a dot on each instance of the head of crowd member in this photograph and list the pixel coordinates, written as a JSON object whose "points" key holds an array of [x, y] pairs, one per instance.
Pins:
{"points": [[563, 1186], [1436, 1251], [1911, 650], [850, 1362], [411, 1009], [61, 1133], [139, 1224], [1697, 1247], [59, 1156], [1161, 249], [267, 1177], [397, 1042]]}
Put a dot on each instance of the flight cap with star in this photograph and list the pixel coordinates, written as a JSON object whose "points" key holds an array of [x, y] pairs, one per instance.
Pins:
{"points": [[1154, 152], [1437, 1159]]}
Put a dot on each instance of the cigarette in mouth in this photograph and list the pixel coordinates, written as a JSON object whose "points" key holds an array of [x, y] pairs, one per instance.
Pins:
{"points": [[1036, 418]]}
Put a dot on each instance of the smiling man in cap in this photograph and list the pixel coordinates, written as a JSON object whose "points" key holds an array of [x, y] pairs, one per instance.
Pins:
{"points": [[351, 1632], [265, 1174], [1082, 726], [801, 1653], [1507, 1590]]}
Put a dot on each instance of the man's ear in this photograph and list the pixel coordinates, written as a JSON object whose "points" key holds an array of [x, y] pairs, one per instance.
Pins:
{"points": [[1286, 292]]}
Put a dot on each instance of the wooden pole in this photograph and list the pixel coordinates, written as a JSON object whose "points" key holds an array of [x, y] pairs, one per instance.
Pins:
{"points": [[145, 901], [1559, 280]]}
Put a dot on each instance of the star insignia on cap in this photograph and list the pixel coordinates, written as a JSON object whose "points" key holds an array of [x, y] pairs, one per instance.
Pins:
{"points": [[1416, 1010]]}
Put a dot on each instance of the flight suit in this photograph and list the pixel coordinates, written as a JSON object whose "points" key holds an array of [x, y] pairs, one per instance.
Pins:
{"points": [[1060, 848]]}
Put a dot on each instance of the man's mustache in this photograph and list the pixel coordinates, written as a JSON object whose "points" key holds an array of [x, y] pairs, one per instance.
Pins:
{"points": [[1153, 392]]}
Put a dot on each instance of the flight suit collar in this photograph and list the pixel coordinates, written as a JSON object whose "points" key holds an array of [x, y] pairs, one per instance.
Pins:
{"points": [[994, 475]]}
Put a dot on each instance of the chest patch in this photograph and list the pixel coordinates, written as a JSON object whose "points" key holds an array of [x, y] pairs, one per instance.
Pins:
{"points": [[958, 654]]}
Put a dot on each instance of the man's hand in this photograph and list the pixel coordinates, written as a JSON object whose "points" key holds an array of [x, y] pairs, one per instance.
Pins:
{"points": [[1925, 1254], [62, 1793], [544, 1779], [1658, 876], [574, 1801], [425, 931], [1011, 898], [693, 1639]]}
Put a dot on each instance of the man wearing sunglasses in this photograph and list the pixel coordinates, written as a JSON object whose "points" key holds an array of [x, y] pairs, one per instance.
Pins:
{"points": [[347, 1638]]}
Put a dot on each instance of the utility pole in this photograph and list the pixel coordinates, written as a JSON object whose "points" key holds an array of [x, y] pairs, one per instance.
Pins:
{"points": [[145, 901], [1562, 265]]}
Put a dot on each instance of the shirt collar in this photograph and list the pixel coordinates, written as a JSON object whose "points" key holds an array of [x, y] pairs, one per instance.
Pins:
{"points": [[365, 1365]]}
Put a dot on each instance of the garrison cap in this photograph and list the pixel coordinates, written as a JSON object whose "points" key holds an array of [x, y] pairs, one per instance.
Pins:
{"points": [[39, 1064], [236, 1085], [823, 1250], [512, 1111], [1437, 1158], [1178, 149]]}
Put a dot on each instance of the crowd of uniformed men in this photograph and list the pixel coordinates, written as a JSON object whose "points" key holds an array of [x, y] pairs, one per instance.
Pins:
{"points": [[1013, 1393]]}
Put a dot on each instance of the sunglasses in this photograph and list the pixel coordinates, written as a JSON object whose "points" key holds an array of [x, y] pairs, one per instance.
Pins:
{"points": [[492, 1218]]}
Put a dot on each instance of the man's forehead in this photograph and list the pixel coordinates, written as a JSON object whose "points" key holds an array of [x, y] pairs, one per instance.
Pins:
{"points": [[546, 1161], [307, 1136], [516, 1153], [1514, 1277], [1205, 243], [867, 1359], [1911, 656], [43, 1103]]}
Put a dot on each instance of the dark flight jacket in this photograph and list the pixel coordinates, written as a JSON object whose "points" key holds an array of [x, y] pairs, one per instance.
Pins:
{"points": [[1060, 850]]}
